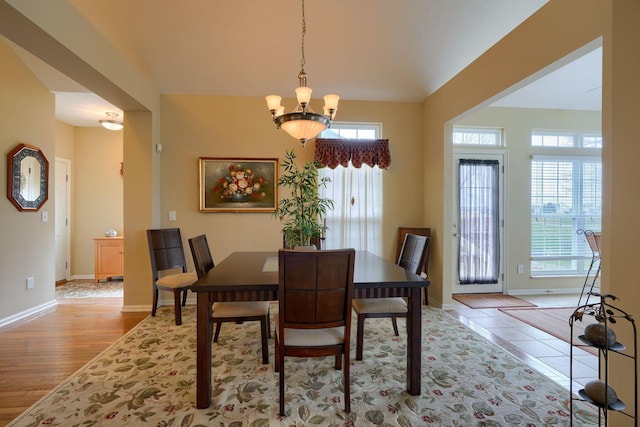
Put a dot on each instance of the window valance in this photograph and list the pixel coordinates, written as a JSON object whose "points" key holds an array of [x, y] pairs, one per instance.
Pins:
{"points": [[334, 152]]}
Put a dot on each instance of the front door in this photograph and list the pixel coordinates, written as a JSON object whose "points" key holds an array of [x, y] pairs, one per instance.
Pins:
{"points": [[478, 227]]}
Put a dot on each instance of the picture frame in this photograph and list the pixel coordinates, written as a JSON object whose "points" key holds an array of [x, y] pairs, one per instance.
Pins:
{"points": [[229, 184]]}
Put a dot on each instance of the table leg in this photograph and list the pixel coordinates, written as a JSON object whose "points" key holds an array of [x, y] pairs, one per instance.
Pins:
{"points": [[414, 342], [203, 348]]}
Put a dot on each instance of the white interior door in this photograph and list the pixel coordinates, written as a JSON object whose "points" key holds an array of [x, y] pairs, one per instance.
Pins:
{"points": [[478, 231], [62, 235]]}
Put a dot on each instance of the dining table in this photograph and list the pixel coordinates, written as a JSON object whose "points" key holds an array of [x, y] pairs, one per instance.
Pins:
{"points": [[253, 276]]}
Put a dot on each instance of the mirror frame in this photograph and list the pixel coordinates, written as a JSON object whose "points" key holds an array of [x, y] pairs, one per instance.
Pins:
{"points": [[14, 159]]}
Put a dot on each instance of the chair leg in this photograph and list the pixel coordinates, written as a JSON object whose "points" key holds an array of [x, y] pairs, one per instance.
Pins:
{"points": [[338, 362], [268, 325], [426, 296], [281, 385], [155, 300], [360, 337], [217, 334], [265, 345], [177, 307], [184, 297], [395, 325], [347, 384]]}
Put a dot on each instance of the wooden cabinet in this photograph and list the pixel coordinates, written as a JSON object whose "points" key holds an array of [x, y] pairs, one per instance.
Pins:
{"points": [[109, 261]]}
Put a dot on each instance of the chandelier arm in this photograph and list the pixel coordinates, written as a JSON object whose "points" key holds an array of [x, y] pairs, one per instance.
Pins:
{"points": [[303, 123]]}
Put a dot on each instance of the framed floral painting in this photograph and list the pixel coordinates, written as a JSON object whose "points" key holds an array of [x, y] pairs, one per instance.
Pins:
{"points": [[238, 184]]}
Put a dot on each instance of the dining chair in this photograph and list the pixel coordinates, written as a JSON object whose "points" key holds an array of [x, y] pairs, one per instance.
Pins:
{"points": [[241, 311], [411, 259], [169, 268], [315, 292]]}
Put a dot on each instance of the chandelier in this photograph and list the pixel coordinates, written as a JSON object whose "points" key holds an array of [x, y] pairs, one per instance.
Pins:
{"points": [[111, 122], [302, 123]]}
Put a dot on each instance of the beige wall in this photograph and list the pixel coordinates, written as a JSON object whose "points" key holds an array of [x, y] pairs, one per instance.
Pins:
{"points": [[65, 140], [621, 111], [26, 116], [517, 124], [209, 126], [97, 195]]}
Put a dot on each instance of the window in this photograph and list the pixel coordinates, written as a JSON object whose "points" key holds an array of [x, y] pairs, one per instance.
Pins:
{"points": [[566, 139], [477, 136], [566, 195], [356, 220]]}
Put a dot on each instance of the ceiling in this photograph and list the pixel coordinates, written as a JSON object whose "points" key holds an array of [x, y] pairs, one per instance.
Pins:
{"points": [[371, 50]]}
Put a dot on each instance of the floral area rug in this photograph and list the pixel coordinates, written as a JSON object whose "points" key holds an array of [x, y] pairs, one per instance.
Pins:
{"points": [[109, 289], [148, 378]]}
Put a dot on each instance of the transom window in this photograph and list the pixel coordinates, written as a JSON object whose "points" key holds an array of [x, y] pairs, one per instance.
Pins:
{"points": [[477, 136], [566, 139]]}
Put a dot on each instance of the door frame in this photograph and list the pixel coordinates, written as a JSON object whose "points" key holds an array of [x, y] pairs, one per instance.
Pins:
{"points": [[67, 198], [489, 154]]}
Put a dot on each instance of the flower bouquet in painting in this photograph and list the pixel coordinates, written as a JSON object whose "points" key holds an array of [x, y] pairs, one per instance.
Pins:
{"points": [[237, 185], [241, 184]]}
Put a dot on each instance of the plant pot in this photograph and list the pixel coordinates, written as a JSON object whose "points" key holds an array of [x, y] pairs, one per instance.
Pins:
{"points": [[305, 248]]}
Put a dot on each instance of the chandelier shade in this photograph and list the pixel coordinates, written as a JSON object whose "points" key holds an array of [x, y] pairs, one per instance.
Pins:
{"points": [[111, 122], [303, 124]]}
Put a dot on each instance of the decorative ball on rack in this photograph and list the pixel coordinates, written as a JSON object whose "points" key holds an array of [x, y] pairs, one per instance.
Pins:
{"points": [[602, 394], [600, 335]]}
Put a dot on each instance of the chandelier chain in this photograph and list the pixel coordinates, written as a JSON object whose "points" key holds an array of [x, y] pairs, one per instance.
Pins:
{"points": [[304, 32]]}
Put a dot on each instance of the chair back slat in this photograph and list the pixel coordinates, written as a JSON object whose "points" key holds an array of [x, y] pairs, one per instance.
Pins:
{"points": [[166, 250], [315, 288], [202, 258], [412, 254]]}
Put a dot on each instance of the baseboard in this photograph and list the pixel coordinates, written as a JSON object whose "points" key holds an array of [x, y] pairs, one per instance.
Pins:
{"points": [[162, 302], [83, 277], [554, 291], [30, 312], [136, 308]]}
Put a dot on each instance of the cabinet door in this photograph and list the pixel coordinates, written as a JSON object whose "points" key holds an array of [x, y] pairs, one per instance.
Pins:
{"points": [[109, 258]]}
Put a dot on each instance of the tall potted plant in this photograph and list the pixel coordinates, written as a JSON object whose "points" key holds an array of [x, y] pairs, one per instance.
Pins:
{"points": [[303, 212]]}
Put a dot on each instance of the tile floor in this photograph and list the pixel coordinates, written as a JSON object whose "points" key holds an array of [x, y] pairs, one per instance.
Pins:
{"points": [[543, 352]]}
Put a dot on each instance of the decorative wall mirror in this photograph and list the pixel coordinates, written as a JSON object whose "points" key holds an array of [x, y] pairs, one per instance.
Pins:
{"points": [[27, 177]]}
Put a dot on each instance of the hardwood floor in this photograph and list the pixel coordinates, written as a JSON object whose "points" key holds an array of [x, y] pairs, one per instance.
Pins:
{"points": [[38, 353]]}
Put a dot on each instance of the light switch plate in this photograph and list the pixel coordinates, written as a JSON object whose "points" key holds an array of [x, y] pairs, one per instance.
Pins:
{"points": [[172, 215]]}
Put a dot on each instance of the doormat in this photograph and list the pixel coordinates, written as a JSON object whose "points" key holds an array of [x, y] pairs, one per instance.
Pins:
{"points": [[554, 321], [491, 301]]}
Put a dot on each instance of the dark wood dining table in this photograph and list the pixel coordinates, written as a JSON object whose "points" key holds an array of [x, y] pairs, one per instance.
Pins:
{"points": [[253, 276]]}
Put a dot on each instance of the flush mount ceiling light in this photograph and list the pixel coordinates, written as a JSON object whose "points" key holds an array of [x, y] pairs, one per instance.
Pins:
{"points": [[302, 123], [111, 122]]}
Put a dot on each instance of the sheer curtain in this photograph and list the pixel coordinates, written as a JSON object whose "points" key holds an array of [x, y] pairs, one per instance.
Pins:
{"points": [[355, 221], [354, 167], [479, 251]]}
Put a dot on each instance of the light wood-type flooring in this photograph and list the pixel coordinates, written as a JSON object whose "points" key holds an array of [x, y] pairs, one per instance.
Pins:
{"points": [[38, 353]]}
